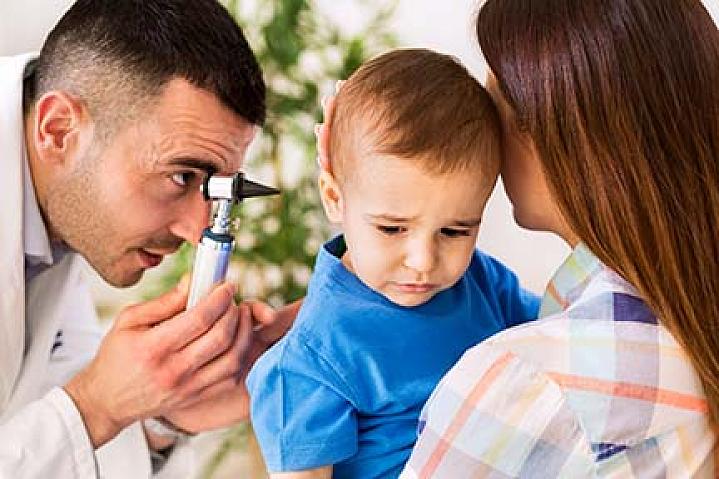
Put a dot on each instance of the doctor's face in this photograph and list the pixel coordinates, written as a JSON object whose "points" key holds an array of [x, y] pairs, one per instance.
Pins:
{"points": [[136, 197]]}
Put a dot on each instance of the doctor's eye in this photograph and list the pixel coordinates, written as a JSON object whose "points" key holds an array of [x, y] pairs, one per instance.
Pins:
{"points": [[184, 178]]}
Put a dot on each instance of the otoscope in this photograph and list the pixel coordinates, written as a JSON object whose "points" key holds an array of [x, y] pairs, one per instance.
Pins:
{"points": [[215, 247]]}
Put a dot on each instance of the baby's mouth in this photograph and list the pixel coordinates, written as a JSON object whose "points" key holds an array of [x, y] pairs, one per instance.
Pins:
{"points": [[416, 288]]}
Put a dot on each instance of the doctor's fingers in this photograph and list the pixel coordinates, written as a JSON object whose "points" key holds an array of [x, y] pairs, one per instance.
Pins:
{"points": [[154, 311], [224, 368], [183, 329], [213, 343], [228, 387]]}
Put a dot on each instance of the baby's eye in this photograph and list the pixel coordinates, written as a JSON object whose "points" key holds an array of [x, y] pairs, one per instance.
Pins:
{"points": [[454, 232], [183, 179], [391, 230]]}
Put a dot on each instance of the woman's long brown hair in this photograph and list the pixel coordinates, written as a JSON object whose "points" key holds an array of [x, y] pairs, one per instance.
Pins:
{"points": [[621, 98]]}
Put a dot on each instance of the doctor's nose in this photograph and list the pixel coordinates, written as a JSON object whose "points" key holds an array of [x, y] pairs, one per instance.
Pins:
{"points": [[192, 219], [421, 256]]}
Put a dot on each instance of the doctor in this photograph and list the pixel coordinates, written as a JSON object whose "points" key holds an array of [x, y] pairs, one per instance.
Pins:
{"points": [[105, 140]]}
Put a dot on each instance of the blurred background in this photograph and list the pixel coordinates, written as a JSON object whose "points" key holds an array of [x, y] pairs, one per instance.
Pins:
{"points": [[304, 46]]}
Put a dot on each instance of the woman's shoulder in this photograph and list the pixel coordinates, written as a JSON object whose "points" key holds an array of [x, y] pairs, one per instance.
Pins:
{"points": [[609, 335], [555, 396], [595, 388], [496, 413]]}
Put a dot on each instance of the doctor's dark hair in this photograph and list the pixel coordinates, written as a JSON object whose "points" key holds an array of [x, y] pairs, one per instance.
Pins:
{"points": [[621, 99], [117, 55], [419, 105]]}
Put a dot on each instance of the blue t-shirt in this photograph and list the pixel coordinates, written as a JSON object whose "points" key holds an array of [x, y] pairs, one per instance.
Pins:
{"points": [[347, 383]]}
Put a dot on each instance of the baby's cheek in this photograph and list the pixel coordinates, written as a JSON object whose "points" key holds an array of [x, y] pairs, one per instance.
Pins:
{"points": [[459, 265]]}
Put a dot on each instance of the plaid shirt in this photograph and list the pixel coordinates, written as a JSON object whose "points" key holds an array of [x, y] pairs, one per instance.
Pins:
{"points": [[596, 388]]}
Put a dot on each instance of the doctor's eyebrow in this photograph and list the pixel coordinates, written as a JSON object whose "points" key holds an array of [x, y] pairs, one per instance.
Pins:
{"points": [[207, 166]]}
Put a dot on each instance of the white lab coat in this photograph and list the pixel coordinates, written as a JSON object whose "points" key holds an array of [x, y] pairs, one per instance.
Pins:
{"points": [[41, 432]]}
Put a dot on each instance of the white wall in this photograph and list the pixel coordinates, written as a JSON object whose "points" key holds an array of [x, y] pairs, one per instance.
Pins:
{"points": [[427, 23], [24, 23]]}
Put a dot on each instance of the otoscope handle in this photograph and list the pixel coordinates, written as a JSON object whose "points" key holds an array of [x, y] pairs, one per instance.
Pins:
{"points": [[211, 261]]}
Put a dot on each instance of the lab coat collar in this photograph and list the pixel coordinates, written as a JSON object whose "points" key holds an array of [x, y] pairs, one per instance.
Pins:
{"points": [[36, 242], [12, 275]]}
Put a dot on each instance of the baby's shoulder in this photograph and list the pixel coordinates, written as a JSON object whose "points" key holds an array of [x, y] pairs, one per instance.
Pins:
{"points": [[489, 272], [332, 323]]}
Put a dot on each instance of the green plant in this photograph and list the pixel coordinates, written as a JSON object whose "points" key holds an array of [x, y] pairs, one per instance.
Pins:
{"points": [[302, 53]]}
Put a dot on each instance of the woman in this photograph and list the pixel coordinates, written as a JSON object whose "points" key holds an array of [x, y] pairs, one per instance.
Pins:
{"points": [[610, 111]]}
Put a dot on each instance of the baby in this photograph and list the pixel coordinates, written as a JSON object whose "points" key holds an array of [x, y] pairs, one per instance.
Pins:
{"points": [[398, 297]]}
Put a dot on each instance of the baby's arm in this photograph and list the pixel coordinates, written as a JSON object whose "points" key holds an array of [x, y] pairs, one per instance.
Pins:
{"points": [[301, 411], [319, 473]]}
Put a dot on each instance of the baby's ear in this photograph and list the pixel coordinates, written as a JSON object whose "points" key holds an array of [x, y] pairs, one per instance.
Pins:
{"points": [[331, 196]]}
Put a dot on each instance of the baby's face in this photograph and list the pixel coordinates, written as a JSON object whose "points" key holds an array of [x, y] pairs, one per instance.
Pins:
{"points": [[410, 234]]}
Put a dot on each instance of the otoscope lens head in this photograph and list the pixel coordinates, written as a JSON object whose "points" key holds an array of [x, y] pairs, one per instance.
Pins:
{"points": [[235, 188]]}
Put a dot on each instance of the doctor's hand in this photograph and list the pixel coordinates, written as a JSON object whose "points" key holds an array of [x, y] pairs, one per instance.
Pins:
{"points": [[159, 359], [221, 407], [269, 325]]}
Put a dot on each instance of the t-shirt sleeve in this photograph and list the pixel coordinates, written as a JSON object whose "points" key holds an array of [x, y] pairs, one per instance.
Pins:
{"points": [[301, 410], [516, 304]]}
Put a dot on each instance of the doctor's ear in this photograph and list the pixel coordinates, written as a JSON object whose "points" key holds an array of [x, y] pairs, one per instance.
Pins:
{"points": [[60, 121], [331, 196]]}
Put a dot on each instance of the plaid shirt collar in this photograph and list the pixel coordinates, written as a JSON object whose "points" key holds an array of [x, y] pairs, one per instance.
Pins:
{"points": [[570, 281]]}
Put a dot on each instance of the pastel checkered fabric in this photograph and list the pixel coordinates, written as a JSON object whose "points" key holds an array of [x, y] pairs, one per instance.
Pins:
{"points": [[596, 388]]}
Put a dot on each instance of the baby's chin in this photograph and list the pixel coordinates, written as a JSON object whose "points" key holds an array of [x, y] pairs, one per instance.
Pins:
{"points": [[408, 300], [403, 295]]}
